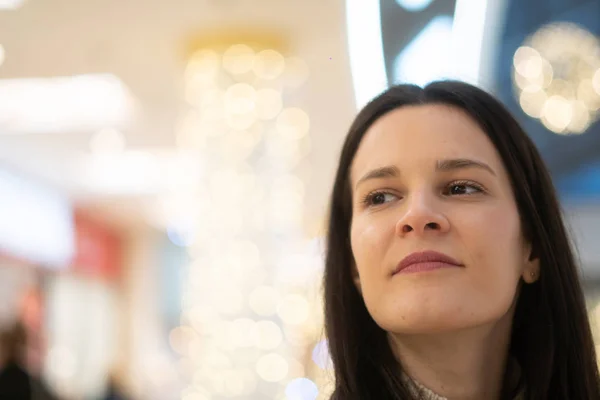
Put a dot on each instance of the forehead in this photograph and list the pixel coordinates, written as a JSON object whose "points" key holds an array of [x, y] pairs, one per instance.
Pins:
{"points": [[424, 133]]}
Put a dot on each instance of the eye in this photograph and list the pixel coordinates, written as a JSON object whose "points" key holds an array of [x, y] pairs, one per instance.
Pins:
{"points": [[378, 198], [463, 188]]}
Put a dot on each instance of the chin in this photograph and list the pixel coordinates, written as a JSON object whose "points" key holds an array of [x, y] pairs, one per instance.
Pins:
{"points": [[425, 327], [433, 316], [423, 324], [434, 308]]}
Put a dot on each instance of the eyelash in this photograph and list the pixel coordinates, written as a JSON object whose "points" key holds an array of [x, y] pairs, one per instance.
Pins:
{"points": [[368, 199]]}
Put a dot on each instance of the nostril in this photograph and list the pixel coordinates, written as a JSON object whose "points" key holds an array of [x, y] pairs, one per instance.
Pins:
{"points": [[432, 225], [406, 228]]}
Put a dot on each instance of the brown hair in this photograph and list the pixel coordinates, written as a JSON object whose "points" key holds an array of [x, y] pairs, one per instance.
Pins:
{"points": [[551, 337]]}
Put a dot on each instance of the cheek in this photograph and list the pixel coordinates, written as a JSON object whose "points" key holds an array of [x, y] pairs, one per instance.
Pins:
{"points": [[495, 247], [369, 239]]}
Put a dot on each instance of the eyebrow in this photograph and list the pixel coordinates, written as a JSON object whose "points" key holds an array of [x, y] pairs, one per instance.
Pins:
{"points": [[454, 164], [462, 163]]}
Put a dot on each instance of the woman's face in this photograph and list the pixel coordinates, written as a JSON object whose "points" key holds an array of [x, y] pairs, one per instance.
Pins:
{"points": [[427, 178]]}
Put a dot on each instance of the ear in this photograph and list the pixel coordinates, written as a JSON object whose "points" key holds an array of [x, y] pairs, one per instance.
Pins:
{"points": [[531, 266]]}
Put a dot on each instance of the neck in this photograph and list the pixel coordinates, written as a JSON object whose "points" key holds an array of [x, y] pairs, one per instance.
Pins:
{"points": [[467, 364]]}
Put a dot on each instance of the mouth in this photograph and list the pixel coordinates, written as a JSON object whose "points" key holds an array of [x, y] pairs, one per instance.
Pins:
{"points": [[425, 261]]}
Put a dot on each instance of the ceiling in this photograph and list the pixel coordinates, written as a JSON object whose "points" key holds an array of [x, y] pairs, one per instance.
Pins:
{"points": [[145, 43]]}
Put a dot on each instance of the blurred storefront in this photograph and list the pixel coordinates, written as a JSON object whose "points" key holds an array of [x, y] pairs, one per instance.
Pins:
{"points": [[83, 311], [36, 242], [60, 276]]}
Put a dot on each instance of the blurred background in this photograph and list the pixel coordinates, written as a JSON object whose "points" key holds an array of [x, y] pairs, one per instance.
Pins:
{"points": [[165, 169]]}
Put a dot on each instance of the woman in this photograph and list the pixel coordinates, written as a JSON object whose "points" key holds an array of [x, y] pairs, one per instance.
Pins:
{"points": [[449, 273]]}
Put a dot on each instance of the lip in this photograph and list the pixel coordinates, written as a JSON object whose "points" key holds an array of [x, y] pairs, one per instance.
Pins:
{"points": [[425, 261]]}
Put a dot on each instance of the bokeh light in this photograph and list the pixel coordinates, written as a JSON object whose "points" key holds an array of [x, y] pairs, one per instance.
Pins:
{"points": [[533, 102], [320, 355], [240, 98], [556, 77], [202, 68], [268, 335], [238, 59], [268, 103], [202, 95], [269, 64], [238, 123], [293, 309], [263, 300], [557, 113], [229, 300], [181, 235], [301, 389], [272, 367], [293, 123]]}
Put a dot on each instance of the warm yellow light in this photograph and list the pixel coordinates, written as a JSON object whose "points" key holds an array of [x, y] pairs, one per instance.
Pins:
{"points": [[263, 300], [279, 147], [202, 96], [243, 332], [202, 68], [596, 81], [237, 146], [293, 123], [269, 64], [528, 62], [233, 383], [238, 59], [241, 121], [561, 62], [287, 201], [229, 301], [533, 102], [586, 93], [557, 113], [237, 96], [268, 336], [581, 117], [272, 367], [240, 98], [268, 103], [293, 309], [563, 88], [245, 255]]}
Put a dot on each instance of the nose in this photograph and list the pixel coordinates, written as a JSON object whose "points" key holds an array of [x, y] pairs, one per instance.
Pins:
{"points": [[420, 216]]}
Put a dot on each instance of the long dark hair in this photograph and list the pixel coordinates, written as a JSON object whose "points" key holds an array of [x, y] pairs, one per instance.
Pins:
{"points": [[551, 336]]}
